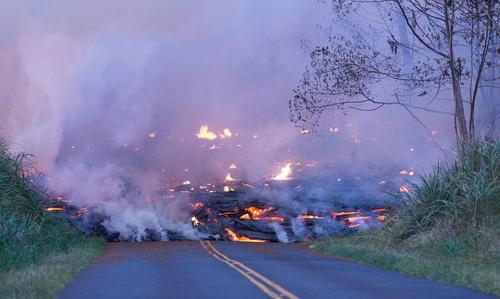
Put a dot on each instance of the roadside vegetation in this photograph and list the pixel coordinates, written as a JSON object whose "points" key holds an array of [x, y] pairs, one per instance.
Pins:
{"points": [[39, 252], [448, 227]]}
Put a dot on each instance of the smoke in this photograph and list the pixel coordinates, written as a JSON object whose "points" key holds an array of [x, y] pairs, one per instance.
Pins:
{"points": [[109, 98]]}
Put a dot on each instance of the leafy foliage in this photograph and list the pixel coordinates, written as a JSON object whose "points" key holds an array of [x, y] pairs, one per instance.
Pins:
{"points": [[27, 233]]}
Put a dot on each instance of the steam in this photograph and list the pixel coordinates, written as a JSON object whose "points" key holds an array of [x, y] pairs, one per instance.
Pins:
{"points": [[84, 87]]}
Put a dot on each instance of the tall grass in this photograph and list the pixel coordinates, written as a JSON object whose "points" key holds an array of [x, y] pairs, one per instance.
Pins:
{"points": [[27, 232], [458, 196]]}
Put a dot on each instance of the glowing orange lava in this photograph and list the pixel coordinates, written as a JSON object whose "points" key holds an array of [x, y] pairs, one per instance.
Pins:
{"points": [[255, 213], [204, 133], [235, 238], [54, 209], [284, 173]]}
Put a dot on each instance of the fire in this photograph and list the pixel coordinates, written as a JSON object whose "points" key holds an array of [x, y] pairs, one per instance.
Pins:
{"points": [[204, 133], [304, 131], [228, 189], [226, 133], [54, 209], [186, 182], [337, 214], [404, 189], [232, 166], [235, 238], [255, 213], [306, 217], [195, 221], [152, 135], [284, 174], [334, 130], [229, 178], [406, 172]]}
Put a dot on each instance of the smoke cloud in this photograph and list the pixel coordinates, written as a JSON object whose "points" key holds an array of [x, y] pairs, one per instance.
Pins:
{"points": [[109, 97]]}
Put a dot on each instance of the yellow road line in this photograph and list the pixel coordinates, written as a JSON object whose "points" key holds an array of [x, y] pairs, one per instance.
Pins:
{"points": [[270, 288]]}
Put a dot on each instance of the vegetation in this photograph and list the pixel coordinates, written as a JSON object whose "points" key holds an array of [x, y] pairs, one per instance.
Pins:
{"points": [[448, 228], [46, 277], [29, 236]]}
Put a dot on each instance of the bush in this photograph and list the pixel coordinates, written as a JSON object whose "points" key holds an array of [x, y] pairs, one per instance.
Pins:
{"points": [[26, 231], [460, 194]]}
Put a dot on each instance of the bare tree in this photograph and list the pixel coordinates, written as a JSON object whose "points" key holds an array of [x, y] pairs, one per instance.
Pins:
{"points": [[453, 43]]}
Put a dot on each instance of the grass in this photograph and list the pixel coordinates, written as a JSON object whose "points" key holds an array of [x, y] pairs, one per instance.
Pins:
{"points": [[448, 228], [31, 240], [46, 277]]}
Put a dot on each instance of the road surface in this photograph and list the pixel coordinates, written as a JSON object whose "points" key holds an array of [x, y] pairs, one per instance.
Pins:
{"points": [[241, 270]]}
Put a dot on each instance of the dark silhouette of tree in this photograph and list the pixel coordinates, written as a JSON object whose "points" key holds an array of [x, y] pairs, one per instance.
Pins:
{"points": [[453, 43]]}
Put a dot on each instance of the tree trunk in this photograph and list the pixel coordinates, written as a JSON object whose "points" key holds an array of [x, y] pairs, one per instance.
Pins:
{"points": [[460, 121]]}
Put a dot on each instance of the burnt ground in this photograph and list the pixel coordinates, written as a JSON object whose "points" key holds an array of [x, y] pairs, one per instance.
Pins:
{"points": [[187, 270]]}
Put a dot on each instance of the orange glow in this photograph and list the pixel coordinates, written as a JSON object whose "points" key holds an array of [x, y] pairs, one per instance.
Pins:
{"points": [[228, 189], [204, 133], [226, 133], [284, 174], [357, 219], [255, 213], [337, 214], [195, 221], [404, 189], [379, 210], [54, 209], [381, 217], [235, 238], [305, 217], [229, 178], [334, 130], [152, 135], [197, 205]]}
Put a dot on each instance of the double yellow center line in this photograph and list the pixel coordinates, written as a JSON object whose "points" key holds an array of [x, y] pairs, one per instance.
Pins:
{"points": [[272, 289]]}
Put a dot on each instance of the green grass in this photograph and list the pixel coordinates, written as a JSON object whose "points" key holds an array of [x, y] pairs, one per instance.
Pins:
{"points": [[51, 273], [448, 228], [32, 239]]}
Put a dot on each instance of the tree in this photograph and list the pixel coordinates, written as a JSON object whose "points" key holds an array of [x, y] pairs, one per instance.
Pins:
{"points": [[453, 42]]}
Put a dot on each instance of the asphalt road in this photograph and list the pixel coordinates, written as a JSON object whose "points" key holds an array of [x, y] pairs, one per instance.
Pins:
{"points": [[241, 270]]}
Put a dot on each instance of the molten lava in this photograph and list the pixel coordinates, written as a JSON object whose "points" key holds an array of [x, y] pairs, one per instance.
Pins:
{"points": [[54, 209], [229, 178], [235, 238], [308, 217], [255, 213], [284, 174], [204, 133]]}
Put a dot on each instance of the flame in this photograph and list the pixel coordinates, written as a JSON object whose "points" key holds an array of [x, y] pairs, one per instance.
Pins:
{"points": [[284, 174], [229, 178], [255, 213], [304, 131], [228, 189], [334, 130], [337, 214], [195, 221], [305, 217], [406, 172], [379, 210], [187, 182], [54, 209], [404, 189], [232, 166], [235, 238], [226, 133], [204, 133], [152, 135]]}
